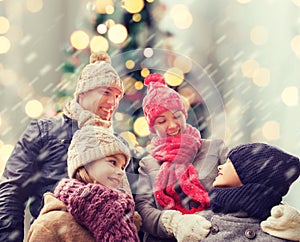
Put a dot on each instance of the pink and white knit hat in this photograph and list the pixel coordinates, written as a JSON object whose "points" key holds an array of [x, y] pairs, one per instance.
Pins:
{"points": [[99, 73], [160, 98], [92, 143]]}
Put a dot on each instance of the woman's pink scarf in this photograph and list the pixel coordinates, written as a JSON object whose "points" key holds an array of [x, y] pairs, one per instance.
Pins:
{"points": [[175, 154]]}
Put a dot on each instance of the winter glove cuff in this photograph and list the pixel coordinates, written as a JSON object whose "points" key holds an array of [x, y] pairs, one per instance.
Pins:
{"points": [[170, 220]]}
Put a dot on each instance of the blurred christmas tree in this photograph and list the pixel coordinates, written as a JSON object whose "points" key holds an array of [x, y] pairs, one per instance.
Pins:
{"points": [[128, 30]]}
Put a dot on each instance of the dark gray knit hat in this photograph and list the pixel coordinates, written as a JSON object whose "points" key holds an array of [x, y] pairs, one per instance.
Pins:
{"points": [[264, 164]]}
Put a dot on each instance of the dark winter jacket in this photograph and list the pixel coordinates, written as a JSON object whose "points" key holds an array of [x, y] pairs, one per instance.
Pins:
{"points": [[37, 163]]}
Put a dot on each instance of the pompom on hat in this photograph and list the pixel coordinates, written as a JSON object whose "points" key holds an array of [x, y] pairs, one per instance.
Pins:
{"points": [[99, 73], [160, 98], [264, 164], [92, 143]]}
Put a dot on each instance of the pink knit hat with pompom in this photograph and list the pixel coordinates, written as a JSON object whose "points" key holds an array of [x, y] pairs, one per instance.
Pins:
{"points": [[160, 98]]}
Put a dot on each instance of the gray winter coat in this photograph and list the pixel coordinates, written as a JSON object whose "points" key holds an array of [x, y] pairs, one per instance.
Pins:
{"points": [[211, 154], [235, 227]]}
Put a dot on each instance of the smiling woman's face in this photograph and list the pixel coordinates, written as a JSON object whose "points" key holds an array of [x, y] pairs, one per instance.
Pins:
{"points": [[169, 123]]}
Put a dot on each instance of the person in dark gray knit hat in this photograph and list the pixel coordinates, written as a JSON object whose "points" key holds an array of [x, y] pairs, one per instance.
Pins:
{"points": [[254, 179]]}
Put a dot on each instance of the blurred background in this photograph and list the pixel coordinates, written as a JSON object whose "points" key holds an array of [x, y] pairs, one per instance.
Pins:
{"points": [[235, 63]]}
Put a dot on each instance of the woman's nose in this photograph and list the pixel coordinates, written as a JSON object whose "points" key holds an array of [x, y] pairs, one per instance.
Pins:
{"points": [[172, 124]]}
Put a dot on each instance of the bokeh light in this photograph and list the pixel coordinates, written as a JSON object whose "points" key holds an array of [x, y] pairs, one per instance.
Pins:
{"points": [[130, 138], [243, 1], [130, 64], [109, 23], [104, 6], [148, 52], [259, 35], [136, 17], [290, 96], [138, 85], [140, 127], [15, 34], [133, 6], [261, 77], [296, 2], [34, 109], [249, 67], [8, 77], [295, 45], [271, 130], [181, 16], [79, 39], [117, 33], [174, 76], [4, 45], [34, 6], [101, 29], [4, 25], [145, 72], [99, 43]]}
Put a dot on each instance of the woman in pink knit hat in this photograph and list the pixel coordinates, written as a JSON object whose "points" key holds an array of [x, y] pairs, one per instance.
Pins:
{"points": [[179, 170], [175, 178], [92, 204]]}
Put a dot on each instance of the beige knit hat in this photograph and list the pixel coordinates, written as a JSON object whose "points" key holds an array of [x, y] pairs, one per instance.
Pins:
{"points": [[92, 143], [98, 73]]}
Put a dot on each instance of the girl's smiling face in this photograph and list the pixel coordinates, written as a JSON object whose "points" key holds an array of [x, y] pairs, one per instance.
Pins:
{"points": [[227, 176], [108, 171]]}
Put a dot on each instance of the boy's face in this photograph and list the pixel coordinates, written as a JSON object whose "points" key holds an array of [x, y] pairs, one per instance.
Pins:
{"points": [[108, 171], [227, 176], [169, 123], [102, 101]]}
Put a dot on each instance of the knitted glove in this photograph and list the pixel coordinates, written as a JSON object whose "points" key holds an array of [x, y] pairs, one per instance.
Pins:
{"points": [[187, 227], [284, 222]]}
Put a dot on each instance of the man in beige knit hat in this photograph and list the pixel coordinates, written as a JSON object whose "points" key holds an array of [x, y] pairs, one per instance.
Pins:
{"points": [[98, 92], [38, 161]]}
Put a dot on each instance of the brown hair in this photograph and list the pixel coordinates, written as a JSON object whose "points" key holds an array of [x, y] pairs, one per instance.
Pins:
{"points": [[82, 175]]}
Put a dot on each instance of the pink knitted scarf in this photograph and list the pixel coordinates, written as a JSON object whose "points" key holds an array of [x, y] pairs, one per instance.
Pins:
{"points": [[175, 153], [106, 213]]}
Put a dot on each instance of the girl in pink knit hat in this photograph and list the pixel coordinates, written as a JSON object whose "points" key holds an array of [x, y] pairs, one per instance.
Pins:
{"points": [[175, 178], [90, 205]]}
